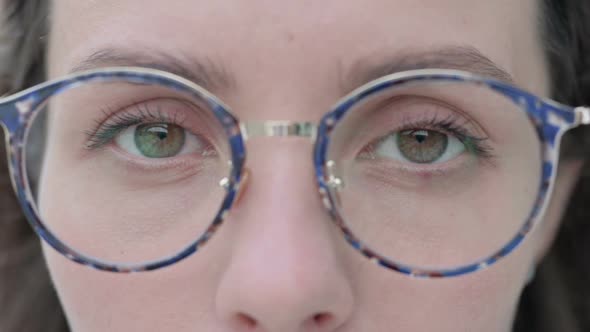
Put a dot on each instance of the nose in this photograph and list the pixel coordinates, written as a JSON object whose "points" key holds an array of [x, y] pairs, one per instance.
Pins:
{"points": [[285, 272]]}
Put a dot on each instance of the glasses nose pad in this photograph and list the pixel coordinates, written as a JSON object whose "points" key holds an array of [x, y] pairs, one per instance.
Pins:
{"points": [[334, 182], [243, 184], [241, 189]]}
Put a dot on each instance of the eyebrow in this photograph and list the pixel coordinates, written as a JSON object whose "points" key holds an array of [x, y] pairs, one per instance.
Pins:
{"points": [[203, 72], [212, 76], [465, 58]]}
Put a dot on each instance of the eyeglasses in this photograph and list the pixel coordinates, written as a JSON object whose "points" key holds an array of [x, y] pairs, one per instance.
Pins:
{"points": [[431, 173]]}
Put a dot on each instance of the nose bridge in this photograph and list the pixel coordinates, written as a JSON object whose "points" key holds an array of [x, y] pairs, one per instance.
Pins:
{"points": [[281, 178], [278, 128], [285, 273], [281, 168]]}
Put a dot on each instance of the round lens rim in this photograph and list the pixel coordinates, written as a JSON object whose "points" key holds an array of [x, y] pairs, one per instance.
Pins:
{"points": [[550, 120], [29, 104]]}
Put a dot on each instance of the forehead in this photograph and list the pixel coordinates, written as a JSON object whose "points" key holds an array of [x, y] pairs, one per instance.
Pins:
{"points": [[294, 44]]}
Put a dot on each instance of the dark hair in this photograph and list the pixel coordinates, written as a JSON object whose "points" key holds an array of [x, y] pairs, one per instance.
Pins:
{"points": [[558, 299], [27, 298]]}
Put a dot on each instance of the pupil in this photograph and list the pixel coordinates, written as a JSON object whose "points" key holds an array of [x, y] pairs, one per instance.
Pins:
{"points": [[422, 146], [161, 134], [420, 137]]}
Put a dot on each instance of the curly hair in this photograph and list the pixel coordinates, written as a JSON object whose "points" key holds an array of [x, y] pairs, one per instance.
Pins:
{"points": [[558, 299]]}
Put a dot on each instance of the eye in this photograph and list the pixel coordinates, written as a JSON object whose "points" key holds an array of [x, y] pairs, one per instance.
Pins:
{"points": [[160, 140], [419, 146]]}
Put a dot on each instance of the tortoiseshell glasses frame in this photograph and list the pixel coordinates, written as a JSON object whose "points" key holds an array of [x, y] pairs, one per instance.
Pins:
{"points": [[550, 119]]}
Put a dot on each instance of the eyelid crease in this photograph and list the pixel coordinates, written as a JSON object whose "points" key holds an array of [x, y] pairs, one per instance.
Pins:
{"points": [[454, 113], [447, 126], [431, 117]]}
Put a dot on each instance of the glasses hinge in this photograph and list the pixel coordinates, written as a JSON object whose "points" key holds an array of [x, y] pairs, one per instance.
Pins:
{"points": [[334, 181], [582, 114]]}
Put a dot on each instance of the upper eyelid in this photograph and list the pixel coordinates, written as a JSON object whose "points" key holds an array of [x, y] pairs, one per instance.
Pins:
{"points": [[112, 112], [422, 120], [142, 106], [112, 119], [445, 122], [427, 124], [126, 118]]}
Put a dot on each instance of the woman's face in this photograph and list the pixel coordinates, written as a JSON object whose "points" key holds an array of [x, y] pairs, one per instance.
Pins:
{"points": [[278, 264]]}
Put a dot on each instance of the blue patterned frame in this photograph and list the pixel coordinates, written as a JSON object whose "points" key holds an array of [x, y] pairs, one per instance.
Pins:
{"points": [[17, 114], [550, 119], [18, 111]]}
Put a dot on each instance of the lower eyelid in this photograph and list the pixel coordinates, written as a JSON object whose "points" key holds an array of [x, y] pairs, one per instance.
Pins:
{"points": [[425, 171], [186, 161]]}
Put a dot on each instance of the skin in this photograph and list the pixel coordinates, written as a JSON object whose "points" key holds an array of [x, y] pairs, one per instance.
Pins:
{"points": [[278, 264]]}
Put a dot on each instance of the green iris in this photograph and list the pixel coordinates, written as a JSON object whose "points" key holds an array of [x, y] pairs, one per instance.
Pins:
{"points": [[422, 146], [159, 140]]}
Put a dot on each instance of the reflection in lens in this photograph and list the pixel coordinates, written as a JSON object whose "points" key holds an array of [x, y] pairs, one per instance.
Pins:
{"points": [[435, 174], [130, 172]]}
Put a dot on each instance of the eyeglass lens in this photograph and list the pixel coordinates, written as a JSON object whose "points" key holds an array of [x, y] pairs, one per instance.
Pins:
{"points": [[137, 166], [431, 174], [435, 174]]}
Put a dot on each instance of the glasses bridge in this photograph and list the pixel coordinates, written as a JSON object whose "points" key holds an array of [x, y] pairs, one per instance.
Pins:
{"points": [[278, 128]]}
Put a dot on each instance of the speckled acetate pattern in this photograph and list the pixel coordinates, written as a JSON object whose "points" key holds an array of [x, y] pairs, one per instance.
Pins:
{"points": [[18, 111]]}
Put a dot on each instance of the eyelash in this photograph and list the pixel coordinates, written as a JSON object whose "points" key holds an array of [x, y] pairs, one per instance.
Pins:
{"points": [[106, 131], [117, 122], [450, 125]]}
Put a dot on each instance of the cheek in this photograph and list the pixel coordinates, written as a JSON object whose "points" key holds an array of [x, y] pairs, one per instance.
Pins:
{"points": [[166, 300], [102, 213], [484, 301], [102, 207], [433, 226], [446, 221], [175, 298]]}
